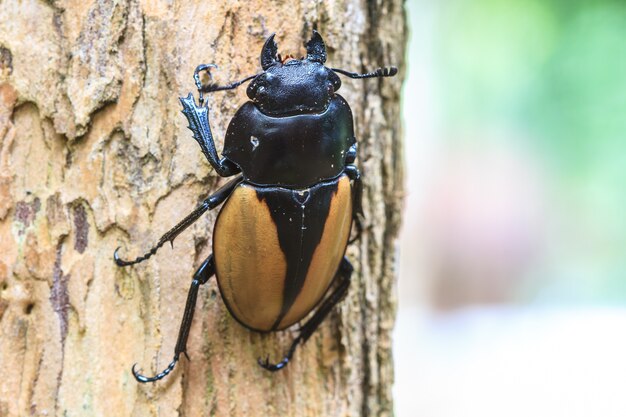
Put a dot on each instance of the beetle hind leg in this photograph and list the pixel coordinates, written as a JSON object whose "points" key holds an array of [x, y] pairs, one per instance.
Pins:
{"points": [[201, 276], [344, 275]]}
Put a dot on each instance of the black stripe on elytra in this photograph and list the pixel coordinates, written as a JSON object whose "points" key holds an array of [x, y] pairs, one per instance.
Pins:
{"points": [[299, 217]]}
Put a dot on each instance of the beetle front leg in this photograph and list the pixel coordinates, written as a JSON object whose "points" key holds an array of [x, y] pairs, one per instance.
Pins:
{"points": [[210, 203], [198, 118], [344, 275], [201, 276]]}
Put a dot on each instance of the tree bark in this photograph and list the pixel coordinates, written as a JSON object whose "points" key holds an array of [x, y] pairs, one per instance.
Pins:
{"points": [[95, 154]]}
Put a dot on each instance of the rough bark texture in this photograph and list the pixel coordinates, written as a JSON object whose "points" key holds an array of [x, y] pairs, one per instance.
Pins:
{"points": [[95, 154]]}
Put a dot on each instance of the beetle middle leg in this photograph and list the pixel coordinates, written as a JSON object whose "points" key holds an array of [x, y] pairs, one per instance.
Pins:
{"points": [[344, 275], [210, 203], [201, 276], [357, 207]]}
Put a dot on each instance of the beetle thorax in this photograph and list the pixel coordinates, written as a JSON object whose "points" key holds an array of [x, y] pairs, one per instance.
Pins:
{"points": [[294, 87]]}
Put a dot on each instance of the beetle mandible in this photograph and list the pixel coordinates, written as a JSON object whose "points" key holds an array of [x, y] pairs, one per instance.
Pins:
{"points": [[280, 237]]}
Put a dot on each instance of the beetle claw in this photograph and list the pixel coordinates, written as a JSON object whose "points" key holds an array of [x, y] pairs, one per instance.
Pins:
{"points": [[196, 76], [204, 67], [119, 261], [272, 367], [142, 378], [263, 363]]}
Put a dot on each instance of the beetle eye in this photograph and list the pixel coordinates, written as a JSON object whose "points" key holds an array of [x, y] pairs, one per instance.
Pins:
{"points": [[260, 93]]}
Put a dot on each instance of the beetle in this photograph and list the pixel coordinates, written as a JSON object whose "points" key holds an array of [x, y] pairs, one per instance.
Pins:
{"points": [[280, 237]]}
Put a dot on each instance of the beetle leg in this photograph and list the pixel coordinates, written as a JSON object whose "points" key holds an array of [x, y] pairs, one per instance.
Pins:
{"points": [[351, 154], [201, 276], [344, 275], [198, 118], [210, 203], [357, 207]]}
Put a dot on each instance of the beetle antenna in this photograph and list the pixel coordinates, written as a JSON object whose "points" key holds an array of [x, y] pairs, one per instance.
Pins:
{"points": [[380, 72], [211, 87], [216, 87]]}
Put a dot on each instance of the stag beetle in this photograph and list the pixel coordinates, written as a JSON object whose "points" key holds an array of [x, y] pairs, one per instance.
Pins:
{"points": [[280, 237]]}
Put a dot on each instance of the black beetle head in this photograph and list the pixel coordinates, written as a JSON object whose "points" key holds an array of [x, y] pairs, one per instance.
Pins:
{"points": [[294, 86]]}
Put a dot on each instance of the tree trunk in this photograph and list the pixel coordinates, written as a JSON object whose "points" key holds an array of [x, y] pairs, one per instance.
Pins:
{"points": [[95, 154]]}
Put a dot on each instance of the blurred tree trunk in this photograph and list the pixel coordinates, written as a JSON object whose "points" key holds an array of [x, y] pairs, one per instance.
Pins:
{"points": [[95, 154]]}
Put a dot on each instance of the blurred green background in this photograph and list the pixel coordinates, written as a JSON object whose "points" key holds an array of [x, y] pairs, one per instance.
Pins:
{"points": [[543, 82], [512, 281], [554, 73]]}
